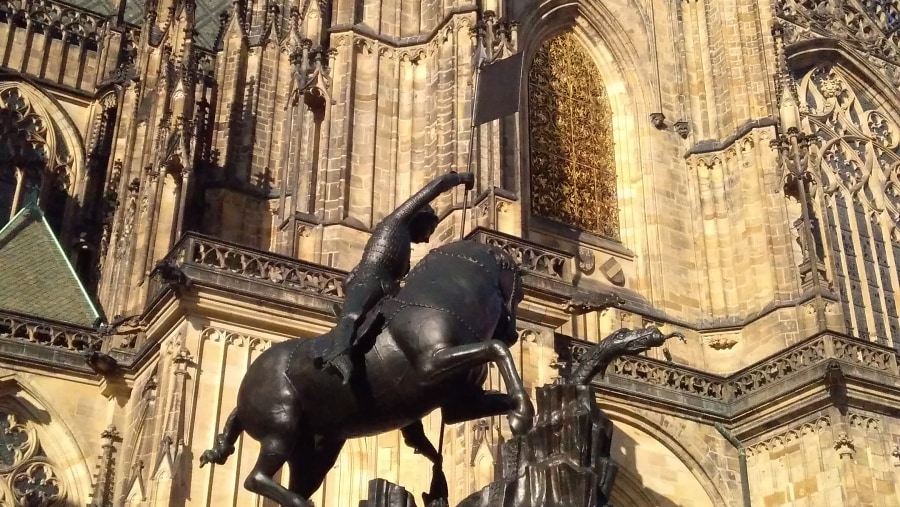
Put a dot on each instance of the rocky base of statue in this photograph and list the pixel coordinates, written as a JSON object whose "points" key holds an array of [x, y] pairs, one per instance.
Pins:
{"points": [[383, 493], [563, 462]]}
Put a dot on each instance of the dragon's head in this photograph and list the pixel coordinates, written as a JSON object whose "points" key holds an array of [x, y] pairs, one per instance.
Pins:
{"points": [[635, 341]]}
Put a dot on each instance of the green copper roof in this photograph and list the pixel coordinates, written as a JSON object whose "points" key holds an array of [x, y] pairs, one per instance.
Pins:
{"points": [[36, 277]]}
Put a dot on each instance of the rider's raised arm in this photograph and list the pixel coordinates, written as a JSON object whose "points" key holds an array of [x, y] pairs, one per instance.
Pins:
{"points": [[437, 187]]}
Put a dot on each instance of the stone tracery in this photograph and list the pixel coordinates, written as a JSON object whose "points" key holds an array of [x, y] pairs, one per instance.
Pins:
{"points": [[27, 478], [36, 158], [857, 162]]}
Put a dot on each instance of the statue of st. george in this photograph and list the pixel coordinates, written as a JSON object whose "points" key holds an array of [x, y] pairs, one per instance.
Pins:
{"points": [[385, 261]]}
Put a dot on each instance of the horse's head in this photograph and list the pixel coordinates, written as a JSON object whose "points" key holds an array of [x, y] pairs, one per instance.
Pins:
{"points": [[511, 291]]}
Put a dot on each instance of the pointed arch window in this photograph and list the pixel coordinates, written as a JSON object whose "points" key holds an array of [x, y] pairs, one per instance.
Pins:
{"points": [[22, 148], [857, 163], [33, 159], [573, 173]]}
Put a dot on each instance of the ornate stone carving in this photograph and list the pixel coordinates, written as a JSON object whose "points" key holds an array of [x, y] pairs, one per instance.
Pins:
{"points": [[582, 303], [859, 146], [682, 128], [105, 479], [235, 339], [765, 374], [789, 436], [72, 26], [895, 455], [844, 446], [856, 162], [869, 26], [535, 260], [586, 261], [777, 368], [124, 235], [720, 341], [53, 335], [573, 172], [494, 37], [480, 436], [864, 354], [259, 266], [864, 422], [26, 136]]}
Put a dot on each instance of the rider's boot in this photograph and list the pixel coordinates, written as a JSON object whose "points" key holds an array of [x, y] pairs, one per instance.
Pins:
{"points": [[339, 359], [343, 365]]}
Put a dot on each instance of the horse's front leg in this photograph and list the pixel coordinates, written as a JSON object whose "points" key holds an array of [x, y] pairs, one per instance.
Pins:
{"points": [[444, 363], [476, 404]]}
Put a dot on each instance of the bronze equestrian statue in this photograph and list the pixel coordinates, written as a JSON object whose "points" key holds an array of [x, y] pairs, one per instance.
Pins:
{"points": [[429, 349], [385, 261]]}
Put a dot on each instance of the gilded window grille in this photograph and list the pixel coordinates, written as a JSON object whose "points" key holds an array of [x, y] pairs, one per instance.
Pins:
{"points": [[573, 173]]}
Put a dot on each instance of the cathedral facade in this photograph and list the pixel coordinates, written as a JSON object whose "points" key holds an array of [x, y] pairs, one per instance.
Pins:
{"points": [[184, 183]]}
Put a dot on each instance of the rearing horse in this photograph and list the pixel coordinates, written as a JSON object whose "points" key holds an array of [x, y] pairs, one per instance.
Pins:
{"points": [[429, 349]]}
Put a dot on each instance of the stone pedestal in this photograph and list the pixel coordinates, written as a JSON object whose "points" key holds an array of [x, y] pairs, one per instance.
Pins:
{"points": [[562, 462]]}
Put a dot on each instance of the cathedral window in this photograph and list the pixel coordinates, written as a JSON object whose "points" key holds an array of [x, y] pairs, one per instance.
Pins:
{"points": [[33, 162], [857, 163], [573, 173]]}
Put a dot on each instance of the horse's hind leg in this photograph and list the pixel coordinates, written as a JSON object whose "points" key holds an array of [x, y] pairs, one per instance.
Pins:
{"points": [[309, 464], [273, 454]]}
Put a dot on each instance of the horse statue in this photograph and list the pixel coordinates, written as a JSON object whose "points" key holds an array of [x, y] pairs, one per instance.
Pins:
{"points": [[426, 347]]}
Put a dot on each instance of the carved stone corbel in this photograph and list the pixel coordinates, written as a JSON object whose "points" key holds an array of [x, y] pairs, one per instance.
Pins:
{"points": [[582, 303]]}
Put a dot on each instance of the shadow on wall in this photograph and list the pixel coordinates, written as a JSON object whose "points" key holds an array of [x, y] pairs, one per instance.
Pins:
{"points": [[634, 488]]}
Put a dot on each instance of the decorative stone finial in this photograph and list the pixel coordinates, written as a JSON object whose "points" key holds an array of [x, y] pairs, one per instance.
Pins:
{"points": [[844, 446]]}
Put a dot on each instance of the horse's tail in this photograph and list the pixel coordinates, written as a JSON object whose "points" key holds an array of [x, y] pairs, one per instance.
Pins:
{"points": [[224, 446]]}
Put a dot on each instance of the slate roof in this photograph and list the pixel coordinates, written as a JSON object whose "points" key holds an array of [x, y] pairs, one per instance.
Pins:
{"points": [[36, 278]]}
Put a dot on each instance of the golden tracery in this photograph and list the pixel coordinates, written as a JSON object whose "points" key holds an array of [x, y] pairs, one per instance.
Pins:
{"points": [[573, 174]]}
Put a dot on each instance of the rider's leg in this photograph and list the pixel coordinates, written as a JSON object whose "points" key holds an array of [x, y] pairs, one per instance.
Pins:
{"points": [[274, 452], [361, 297]]}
